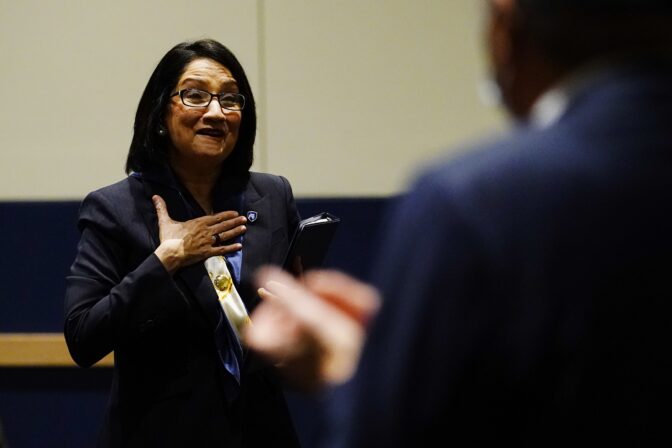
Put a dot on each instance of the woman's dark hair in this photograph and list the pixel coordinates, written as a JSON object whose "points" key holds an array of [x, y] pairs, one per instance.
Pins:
{"points": [[149, 148]]}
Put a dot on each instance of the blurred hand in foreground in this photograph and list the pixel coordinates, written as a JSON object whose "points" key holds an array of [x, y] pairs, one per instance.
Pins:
{"points": [[313, 329]]}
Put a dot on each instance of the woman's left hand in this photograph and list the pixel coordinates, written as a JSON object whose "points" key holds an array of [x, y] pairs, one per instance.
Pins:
{"points": [[185, 243]]}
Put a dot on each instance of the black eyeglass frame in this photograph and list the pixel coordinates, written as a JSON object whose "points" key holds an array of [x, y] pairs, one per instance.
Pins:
{"points": [[219, 96]]}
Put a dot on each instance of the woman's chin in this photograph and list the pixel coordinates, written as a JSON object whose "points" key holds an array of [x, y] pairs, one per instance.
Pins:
{"points": [[212, 152]]}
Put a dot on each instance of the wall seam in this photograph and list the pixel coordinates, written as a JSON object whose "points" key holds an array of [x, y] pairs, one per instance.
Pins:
{"points": [[261, 98]]}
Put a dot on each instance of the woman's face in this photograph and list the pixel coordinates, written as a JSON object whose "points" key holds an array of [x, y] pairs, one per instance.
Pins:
{"points": [[209, 133]]}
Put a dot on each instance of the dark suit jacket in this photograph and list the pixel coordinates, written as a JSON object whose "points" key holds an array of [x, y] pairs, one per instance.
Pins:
{"points": [[528, 287], [169, 385]]}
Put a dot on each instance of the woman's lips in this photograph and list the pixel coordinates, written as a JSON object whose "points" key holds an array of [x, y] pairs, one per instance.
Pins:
{"points": [[210, 132]]}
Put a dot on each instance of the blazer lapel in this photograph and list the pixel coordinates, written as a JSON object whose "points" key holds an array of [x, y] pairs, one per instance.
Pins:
{"points": [[176, 207], [256, 241], [193, 278]]}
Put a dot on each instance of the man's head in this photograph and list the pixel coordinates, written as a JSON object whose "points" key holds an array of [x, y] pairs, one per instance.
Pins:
{"points": [[534, 43]]}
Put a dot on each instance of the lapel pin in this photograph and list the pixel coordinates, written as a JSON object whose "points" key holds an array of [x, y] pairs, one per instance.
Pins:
{"points": [[252, 216]]}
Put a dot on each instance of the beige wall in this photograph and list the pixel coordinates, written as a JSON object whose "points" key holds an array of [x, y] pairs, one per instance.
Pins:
{"points": [[352, 94]]}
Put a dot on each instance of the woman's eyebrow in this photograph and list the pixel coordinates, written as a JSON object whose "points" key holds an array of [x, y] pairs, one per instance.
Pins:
{"points": [[229, 82], [224, 81]]}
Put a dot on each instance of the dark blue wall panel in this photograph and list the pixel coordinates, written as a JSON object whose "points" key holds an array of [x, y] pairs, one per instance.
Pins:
{"points": [[64, 407], [37, 244], [43, 408]]}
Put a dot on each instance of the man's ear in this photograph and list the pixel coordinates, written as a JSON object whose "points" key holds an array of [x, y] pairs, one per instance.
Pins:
{"points": [[507, 53], [501, 32]]}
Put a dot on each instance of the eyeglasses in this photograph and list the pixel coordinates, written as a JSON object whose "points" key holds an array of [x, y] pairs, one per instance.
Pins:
{"points": [[201, 98]]}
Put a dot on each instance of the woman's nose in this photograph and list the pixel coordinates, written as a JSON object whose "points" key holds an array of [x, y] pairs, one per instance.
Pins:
{"points": [[214, 109]]}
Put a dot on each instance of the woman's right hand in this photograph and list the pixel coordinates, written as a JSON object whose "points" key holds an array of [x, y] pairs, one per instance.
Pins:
{"points": [[185, 243]]}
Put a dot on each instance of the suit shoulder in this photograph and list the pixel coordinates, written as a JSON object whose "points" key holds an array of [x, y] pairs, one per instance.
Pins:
{"points": [[266, 178], [265, 182], [118, 189], [107, 204], [521, 159]]}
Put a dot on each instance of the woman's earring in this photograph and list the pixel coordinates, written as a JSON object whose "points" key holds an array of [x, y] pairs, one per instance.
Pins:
{"points": [[162, 132]]}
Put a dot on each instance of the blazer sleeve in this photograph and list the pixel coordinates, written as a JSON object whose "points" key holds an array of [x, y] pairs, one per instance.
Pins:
{"points": [[115, 292]]}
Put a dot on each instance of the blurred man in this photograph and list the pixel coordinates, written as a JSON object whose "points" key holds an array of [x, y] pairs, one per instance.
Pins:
{"points": [[526, 286]]}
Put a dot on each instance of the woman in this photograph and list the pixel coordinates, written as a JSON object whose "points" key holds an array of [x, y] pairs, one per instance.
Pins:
{"points": [[142, 283]]}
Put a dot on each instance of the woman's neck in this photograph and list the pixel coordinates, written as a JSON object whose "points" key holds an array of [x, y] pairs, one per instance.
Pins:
{"points": [[199, 182]]}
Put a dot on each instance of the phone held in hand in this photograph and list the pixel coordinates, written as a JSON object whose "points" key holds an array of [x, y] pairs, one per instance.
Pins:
{"points": [[310, 243]]}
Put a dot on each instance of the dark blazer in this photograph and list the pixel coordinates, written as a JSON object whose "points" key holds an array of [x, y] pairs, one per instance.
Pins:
{"points": [[527, 287], [169, 385]]}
